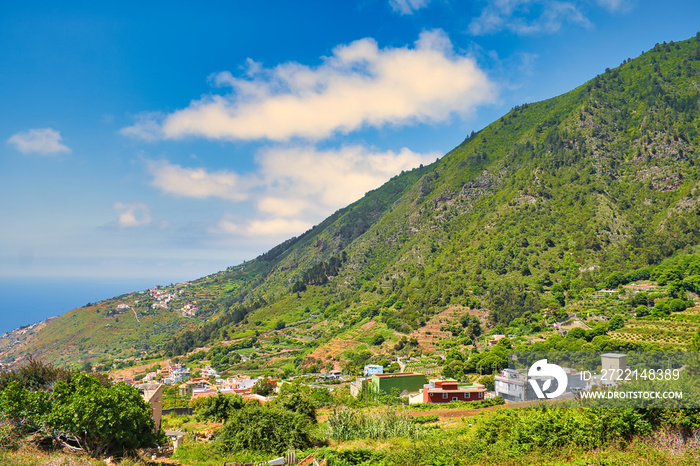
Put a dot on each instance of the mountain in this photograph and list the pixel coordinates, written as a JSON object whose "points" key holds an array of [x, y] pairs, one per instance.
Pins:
{"points": [[530, 213]]}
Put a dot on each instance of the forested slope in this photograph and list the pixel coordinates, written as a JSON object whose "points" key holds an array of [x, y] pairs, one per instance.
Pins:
{"points": [[565, 191]]}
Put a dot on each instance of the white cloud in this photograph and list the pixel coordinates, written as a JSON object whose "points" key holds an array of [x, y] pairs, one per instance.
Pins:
{"points": [[615, 5], [277, 226], [527, 17], [293, 188], [197, 182], [132, 214], [44, 141], [147, 127], [407, 7], [226, 226], [283, 207], [256, 228], [325, 180], [358, 85]]}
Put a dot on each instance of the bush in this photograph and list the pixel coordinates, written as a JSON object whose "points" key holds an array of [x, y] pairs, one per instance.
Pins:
{"points": [[84, 414], [266, 428], [218, 408], [101, 420], [426, 419], [377, 340], [642, 311]]}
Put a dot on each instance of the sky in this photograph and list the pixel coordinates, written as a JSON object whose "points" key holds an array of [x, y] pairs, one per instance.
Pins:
{"points": [[165, 141]]}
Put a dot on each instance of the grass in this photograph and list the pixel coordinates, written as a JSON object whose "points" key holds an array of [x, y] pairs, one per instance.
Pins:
{"points": [[29, 455]]}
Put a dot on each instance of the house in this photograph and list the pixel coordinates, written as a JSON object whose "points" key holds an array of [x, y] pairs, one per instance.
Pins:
{"points": [[494, 340], [371, 369], [444, 391], [203, 392], [200, 383], [209, 372], [172, 379], [403, 382], [613, 366], [256, 397], [515, 385], [240, 385], [153, 395], [185, 389], [512, 385], [332, 375], [357, 385]]}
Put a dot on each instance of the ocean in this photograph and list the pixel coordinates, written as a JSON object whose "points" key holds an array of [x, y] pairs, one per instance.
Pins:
{"points": [[25, 301]]}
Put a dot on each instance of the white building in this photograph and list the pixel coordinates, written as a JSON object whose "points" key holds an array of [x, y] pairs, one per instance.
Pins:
{"points": [[371, 369]]}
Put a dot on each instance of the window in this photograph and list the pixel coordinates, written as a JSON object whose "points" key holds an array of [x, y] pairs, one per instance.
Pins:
{"points": [[444, 396], [455, 398], [481, 394]]}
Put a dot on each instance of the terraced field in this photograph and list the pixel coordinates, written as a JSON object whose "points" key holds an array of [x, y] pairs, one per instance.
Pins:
{"points": [[676, 330], [425, 369]]}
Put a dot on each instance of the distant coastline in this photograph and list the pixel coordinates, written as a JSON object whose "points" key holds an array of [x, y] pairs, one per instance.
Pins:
{"points": [[28, 301]]}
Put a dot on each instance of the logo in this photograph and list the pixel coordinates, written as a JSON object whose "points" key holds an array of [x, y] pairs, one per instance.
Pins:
{"points": [[543, 371]]}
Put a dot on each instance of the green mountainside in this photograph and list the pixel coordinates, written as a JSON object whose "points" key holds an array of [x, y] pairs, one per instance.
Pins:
{"points": [[530, 215]]}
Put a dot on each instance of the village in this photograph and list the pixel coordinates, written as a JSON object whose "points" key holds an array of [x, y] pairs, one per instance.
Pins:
{"points": [[412, 388]]}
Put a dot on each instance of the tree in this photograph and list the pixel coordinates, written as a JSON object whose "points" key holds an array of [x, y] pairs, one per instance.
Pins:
{"points": [[695, 342], [472, 325], [100, 420], [36, 376], [576, 332], [509, 300], [377, 339], [300, 404], [263, 387], [641, 311], [616, 322], [22, 408]]}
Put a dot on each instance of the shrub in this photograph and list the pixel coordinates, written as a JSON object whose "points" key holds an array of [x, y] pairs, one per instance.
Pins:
{"points": [[101, 420], [266, 428], [218, 408], [84, 414], [426, 419]]}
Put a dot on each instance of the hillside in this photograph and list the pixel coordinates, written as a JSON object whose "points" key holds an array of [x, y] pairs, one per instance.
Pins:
{"points": [[531, 214]]}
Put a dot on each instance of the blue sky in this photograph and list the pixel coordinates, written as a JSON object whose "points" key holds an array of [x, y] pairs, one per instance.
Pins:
{"points": [[167, 141]]}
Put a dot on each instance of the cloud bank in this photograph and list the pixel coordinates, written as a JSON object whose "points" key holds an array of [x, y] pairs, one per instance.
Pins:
{"points": [[407, 7], [359, 85], [293, 188], [525, 17], [132, 214], [44, 141]]}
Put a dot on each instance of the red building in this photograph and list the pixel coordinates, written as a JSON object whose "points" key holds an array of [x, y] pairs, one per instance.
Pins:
{"points": [[444, 391]]}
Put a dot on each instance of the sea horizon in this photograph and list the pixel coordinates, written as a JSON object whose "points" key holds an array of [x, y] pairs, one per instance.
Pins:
{"points": [[29, 300]]}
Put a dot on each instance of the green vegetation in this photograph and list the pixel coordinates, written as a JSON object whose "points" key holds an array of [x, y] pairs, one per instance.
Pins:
{"points": [[266, 428], [568, 224], [82, 413], [349, 424], [528, 220]]}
